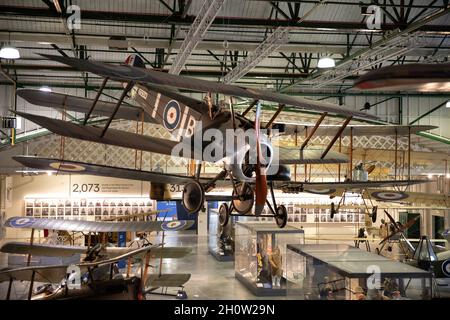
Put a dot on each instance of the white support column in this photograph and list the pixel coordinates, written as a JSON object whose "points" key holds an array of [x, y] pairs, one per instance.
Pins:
{"points": [[197, 31]]}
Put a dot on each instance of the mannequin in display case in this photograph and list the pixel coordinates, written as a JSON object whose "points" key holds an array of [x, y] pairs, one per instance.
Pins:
{"points": [[276, 263]]}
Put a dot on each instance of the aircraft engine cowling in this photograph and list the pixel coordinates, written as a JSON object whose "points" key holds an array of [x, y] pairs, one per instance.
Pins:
{"points": [[159, 191], [248, 155]]}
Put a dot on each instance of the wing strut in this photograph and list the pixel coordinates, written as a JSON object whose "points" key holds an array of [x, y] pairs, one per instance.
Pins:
{"points": [[338, 134], [119, 102], [99, 93], [280, 108], [250, 107], [304, 144]]}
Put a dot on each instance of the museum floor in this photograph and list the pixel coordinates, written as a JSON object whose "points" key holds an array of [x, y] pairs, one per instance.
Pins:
{"points": [[210, 279]]}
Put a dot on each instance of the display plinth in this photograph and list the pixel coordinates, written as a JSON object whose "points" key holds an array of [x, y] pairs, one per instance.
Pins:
{"points": [[260, 251], [341, 272]]}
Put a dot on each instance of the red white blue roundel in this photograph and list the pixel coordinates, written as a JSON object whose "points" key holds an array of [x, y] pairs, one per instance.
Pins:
{"points": [[172, 115], [446, 268], [389, 195], [19, 222], [173, 225]]}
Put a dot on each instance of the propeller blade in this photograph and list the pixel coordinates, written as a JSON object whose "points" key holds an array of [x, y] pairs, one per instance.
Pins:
{"points": [[261, 178], [393, 221]]}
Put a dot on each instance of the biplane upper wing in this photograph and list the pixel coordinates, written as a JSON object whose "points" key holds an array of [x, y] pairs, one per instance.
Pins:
{"points": [[167, 280], [41, 249], [97, 226], [126, 73], [100, 170], [407, 77], [46, 274], [355, 130], [66, 102]]}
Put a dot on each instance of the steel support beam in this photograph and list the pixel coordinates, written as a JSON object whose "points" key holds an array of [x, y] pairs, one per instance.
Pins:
{"points": [[197, 31]]}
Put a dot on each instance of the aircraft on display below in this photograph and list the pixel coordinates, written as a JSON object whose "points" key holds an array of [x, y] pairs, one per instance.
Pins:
{"points": [[99, 277], [252, 164]]}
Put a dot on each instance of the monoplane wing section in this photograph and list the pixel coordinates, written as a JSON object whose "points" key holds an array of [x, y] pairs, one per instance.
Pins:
{"points": [[408, 77], [126, 73], [97, 226], [355, 130], [41, 249], [100, 170], [66, 102]]}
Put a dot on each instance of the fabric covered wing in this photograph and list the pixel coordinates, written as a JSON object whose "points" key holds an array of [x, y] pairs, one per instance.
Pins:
{"points": [[100, 170], [169, 252], [112, 137], [97, 226], [128, 73], [419, 198], [45, 274], [293, 155], [356, 130], [41, 249], [167, 280], [78, 104]]}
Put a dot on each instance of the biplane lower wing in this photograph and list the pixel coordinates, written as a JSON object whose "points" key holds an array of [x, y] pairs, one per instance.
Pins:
{"points": [[100, 170], [167, 280], [354, 130], [126, 73], [66, 102], [337, 188], [428, 199], [41, 249], [112, 136], [293, 155], [97, 226]]}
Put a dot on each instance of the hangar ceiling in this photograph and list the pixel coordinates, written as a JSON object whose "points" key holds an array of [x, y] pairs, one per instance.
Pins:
{"points": [[270, 44]]}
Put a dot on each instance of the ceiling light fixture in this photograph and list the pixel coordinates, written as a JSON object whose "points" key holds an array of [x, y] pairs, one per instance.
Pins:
{"points": [[9, 52], [448, 104], [326, 62]]}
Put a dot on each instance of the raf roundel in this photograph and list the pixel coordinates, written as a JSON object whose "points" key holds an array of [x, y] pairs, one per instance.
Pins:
{"points": [[19, 222], [389, 195], [446, 268], [173, 225], [67, 166], [172, 115]]}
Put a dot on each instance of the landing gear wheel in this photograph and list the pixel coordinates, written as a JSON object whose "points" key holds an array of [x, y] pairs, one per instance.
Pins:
{"points": [[281, 216], [374, 214], [193, 197], [224, 214], [332, 211], [245, 204]]}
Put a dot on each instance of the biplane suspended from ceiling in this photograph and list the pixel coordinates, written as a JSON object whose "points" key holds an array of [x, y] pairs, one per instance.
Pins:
{"points": [[184, 117]]}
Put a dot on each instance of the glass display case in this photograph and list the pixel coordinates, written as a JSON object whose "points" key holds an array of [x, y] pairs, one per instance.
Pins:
{"points": [[220, 239], [341, 272], [260, 262]]}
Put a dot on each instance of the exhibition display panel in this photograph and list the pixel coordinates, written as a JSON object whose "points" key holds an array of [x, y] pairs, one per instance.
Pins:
{"points": [[341, 272], [260, 256]]}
